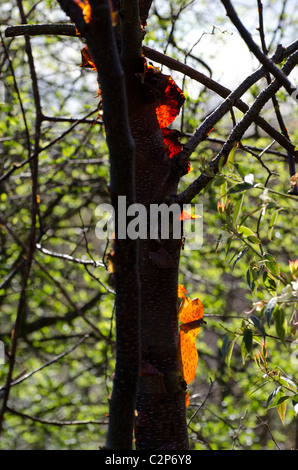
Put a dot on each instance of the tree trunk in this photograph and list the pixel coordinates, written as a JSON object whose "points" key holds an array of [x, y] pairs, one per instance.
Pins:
{"points": [[160, 422], [140, 170]]}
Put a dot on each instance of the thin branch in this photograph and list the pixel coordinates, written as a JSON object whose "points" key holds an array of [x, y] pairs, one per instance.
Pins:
{"points": [[52, 422], [261, 27], [282, 53], [68, 318], [283, 128], [281, 19], [63, 29], [231, 98], [236, 135], [34, 213], [269, 430], [47, 364], [253, 47], [27, 133], [203, 402], [17, 166], [235, 436], [73, 120], [77, 310], [66, 257], [259, 157]]}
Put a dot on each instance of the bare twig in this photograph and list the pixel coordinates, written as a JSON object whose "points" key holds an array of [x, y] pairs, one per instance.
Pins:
{"points": [[17, 166], [203, 402], [269, 430], [279, 26], [47, 364], [246, 36], [70, 30], [27, 133], [231, 98], [34, 213], [53, 422], [235, 136], [66, 257], [283, 128], [235, 436]]}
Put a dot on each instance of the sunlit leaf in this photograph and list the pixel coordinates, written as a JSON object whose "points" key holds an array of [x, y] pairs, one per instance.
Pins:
{"points": [[186, 399], [230, 160], [188, 216], [167, 96], [254, 240], [181, 291], [86, 8], [282, 408], [171, 141], [87, 60], [171, 102], [189, 355], [237, 209], [245, 231], [190, 314], [191, 311]]}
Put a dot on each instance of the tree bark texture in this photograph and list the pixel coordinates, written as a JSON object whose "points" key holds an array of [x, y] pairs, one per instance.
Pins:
{"points": [[160, 422], [147, 374]]}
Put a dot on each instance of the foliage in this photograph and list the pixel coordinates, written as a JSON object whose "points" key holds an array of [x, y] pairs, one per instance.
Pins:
{"points": [[245, 393]]}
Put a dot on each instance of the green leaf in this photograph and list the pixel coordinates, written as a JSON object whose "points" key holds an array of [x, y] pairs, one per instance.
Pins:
{"points": [[273, 398], [279, 400], [288, 383], [221, 163], [272, 223], [230, 352], [257, 323], [271, 264], [282, 408], [224, 346], [240, 254], [280, 323], [253, 239], [248, 278], [219, 181], [269, 309], [241, 187], [230, 160], [237, 209], [270, 283], [246, 345], [245, 231]]}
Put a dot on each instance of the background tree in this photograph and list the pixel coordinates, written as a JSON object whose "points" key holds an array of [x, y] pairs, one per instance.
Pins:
{"points": [[52, 290]]}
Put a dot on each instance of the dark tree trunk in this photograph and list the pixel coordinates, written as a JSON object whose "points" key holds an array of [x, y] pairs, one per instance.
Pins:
{"points": [[147, 374], [160, 422]]}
